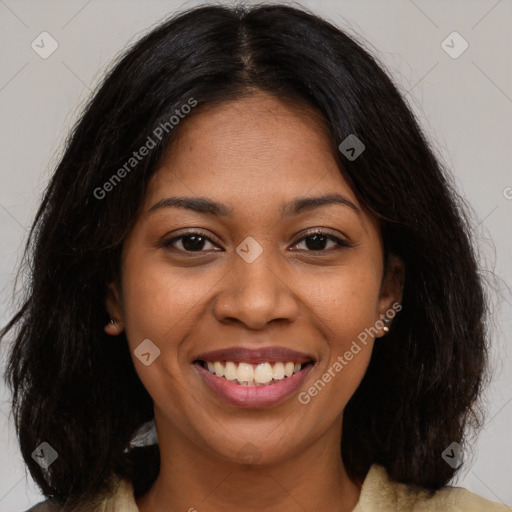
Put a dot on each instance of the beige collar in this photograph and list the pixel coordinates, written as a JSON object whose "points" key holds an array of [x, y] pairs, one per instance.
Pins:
{"points": [[378, 494]]}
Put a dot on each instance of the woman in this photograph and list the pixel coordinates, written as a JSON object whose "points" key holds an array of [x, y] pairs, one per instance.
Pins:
{"points": [[249, 241]]}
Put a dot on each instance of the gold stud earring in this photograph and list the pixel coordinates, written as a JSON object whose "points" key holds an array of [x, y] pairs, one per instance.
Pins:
{"points": [[112, 327]]}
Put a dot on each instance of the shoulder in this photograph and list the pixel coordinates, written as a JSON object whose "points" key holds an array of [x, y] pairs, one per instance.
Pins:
{"points": [[121, 499], [380, 493], [44, 506]]}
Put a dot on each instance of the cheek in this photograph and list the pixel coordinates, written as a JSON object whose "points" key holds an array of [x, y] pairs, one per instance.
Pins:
{"points": [[344, 308], [347, 350], [159, 303], [162, 306], [345, 303]]}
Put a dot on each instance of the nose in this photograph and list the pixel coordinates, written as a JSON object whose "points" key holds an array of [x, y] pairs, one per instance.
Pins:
{"points": [[255, 294]]}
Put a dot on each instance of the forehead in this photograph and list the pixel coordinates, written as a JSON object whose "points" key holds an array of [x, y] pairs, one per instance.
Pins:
{"points": [[257, 146]]}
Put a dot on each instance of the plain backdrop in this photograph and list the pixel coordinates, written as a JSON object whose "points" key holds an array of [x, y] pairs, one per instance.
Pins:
{"points": [[463, 102]]}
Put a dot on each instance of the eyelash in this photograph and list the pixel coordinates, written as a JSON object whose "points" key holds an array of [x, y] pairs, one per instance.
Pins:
{"points": [[341, 243]]}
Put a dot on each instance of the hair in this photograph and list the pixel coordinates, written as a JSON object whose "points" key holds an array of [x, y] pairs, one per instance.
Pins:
{"points": [[76, 388]]}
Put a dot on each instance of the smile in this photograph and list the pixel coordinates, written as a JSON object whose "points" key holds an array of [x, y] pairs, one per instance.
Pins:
{"points": [[252, 385], [247, 374]]}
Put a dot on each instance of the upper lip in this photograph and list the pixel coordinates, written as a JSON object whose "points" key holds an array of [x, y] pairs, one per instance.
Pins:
{"points": [[254, 355]]}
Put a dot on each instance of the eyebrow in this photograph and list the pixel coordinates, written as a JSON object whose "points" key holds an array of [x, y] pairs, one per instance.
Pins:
{"points": [[210, 207]]}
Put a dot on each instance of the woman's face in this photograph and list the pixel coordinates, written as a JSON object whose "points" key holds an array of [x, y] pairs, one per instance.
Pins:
{"points": [[251, 281]]}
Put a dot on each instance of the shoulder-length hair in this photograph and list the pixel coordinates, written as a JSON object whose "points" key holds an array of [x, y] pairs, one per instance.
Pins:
{"points": [[76, 388]]}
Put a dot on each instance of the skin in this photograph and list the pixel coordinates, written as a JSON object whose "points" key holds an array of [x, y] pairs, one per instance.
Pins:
{"points": [[252, 155]]}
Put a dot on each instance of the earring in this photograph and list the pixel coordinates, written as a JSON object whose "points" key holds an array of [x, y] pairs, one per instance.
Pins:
{"points": [[113, 328], [387, 321]]}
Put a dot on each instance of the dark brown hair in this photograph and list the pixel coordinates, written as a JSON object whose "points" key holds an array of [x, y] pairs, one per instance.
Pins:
{"points": [[77, 389]]}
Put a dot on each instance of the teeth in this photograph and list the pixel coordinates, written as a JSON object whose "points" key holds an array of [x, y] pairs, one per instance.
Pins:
{"points": [[288, 369], [219, 369], [263, 373], [253, 374], [245, 373], [278, 371], [230, 371]]}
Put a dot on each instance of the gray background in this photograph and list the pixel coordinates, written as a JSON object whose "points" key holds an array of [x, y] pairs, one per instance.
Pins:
{"points": [[464, 105]]}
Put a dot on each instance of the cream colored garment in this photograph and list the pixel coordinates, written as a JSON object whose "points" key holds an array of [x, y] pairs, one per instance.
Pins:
{"points": [[378, 494]]}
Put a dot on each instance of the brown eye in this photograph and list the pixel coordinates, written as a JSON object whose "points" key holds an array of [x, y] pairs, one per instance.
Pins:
{"points": [[190, 242], [318, 240]]}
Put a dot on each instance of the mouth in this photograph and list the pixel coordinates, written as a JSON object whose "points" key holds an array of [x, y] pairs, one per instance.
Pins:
{"points": [[256, 378], [244, 373]]}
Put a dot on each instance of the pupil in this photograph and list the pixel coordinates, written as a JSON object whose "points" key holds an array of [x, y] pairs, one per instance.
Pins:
{"points": [[196, 243], [193, 242], [318, 242]]}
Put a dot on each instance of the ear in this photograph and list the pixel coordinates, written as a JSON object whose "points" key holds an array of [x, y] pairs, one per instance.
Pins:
{"points": [[390, 298], [114, 309]]}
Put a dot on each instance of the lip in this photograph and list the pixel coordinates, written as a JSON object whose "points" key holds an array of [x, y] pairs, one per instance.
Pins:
{"points": [[255, 355], [252, 396]]}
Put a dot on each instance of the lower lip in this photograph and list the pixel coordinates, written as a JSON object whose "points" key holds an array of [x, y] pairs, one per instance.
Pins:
{"points": [[253, 396]]}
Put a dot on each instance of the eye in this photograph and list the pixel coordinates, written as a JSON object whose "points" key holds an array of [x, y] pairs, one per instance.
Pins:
{"points": [[317, 240], [197, 241], [193, 241]]}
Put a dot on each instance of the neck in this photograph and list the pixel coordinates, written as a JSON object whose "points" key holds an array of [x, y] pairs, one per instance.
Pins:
{"points": [[191, 478]]}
